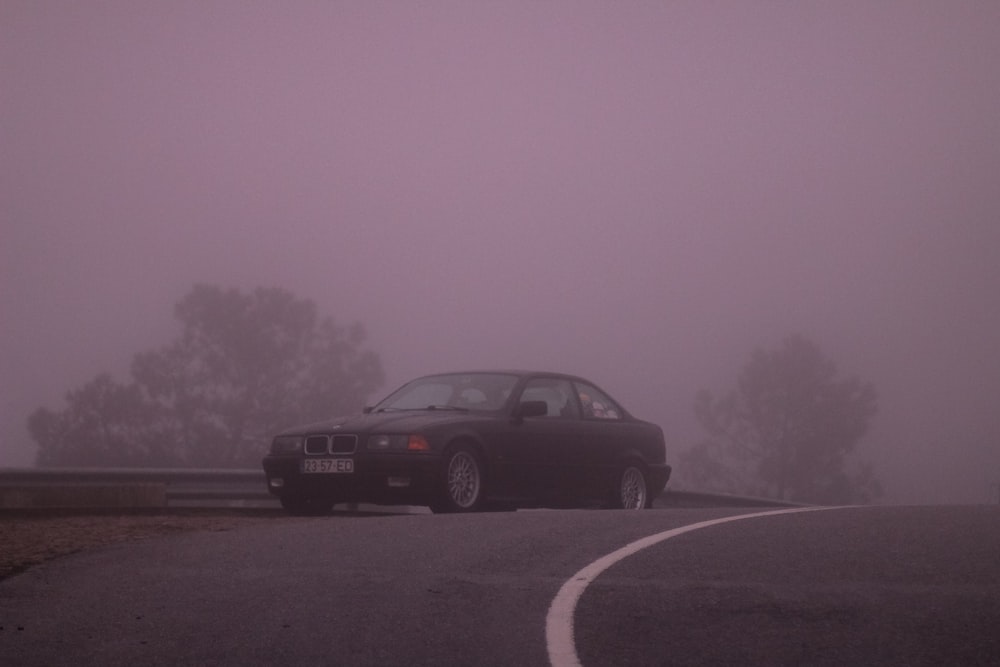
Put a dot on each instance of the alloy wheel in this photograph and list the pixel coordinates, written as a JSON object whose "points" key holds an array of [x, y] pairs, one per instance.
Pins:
{"points": [[464, 479], [633, 489]]}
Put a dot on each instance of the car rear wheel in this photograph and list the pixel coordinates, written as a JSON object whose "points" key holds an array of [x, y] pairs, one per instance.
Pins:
{"points": [[632, 490], [463, 482], [304, 506]]}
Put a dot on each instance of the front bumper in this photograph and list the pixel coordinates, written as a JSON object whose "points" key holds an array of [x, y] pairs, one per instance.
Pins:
{"points": [[388, 478]]}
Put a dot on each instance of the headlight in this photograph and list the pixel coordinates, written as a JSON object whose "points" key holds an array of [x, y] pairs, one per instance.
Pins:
{"points": [[385, 442], [286, 444]]}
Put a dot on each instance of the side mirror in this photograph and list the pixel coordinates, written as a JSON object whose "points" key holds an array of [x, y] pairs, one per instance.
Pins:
{"points": [[367, 409], [531, 409]]}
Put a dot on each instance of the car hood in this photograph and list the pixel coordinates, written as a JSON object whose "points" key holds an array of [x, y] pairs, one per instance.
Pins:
{"points": [[386, 422]]}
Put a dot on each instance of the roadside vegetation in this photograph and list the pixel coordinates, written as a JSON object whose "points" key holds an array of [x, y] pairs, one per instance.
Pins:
{"points": [[786, 431], [244, 366]]}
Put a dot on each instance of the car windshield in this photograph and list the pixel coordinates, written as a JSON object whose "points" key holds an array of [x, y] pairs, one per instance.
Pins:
{"points": [[462, 391]]}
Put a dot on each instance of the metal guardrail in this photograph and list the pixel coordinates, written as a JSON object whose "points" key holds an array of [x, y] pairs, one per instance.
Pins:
{"points": [[671, 498], [189, 487], [130, 487]]}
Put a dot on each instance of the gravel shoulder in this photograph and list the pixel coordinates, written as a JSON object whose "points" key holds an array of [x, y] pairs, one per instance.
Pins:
{"points": [[28, 538]]}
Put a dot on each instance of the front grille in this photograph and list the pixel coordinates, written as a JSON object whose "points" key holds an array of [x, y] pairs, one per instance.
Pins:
{"points": [[317, 444], [343, 444], [325, 444]]}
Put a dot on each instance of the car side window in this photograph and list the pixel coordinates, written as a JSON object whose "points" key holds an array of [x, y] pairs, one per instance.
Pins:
{"points": [[557, 394], [596, 404]]}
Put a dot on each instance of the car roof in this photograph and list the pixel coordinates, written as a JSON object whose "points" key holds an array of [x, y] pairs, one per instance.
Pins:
{"points": [[522, 374], [511, 371]]}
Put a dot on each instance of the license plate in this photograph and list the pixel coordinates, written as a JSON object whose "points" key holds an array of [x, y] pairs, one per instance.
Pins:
{"points": [[328, 465]]}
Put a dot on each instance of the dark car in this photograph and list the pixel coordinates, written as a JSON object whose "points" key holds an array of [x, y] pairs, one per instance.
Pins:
{"points": [[465, 442]]}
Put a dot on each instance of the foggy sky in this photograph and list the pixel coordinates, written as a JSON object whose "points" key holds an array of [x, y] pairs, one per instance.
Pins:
{"points": [[639, 193]]}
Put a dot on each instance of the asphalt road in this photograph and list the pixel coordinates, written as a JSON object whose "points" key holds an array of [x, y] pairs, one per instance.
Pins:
{"points": [[849, 586]]}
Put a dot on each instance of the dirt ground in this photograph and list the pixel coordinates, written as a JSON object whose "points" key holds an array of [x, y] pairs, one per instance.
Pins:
{"points": [[30, 538]]}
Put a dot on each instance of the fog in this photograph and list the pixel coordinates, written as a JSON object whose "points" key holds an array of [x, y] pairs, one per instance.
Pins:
{"points": [[639, 193]]}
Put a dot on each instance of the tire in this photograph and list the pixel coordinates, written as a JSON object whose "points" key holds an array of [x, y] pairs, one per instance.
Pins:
{"points": [[631, 490], [463, 487], [302, 506]]}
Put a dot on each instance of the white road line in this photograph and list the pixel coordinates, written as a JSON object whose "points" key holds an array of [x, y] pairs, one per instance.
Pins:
{"points": [[559, 622]]}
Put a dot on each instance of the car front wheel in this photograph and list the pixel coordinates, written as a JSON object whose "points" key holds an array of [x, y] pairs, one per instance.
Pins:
{"points": [[463, 482], [632, 490]]}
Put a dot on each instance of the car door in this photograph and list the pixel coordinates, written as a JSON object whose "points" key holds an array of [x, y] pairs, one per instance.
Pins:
{"points": [[539, 451], [605, 437]]}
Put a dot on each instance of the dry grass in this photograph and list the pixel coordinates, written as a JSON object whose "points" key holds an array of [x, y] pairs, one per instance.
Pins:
{"points": [[28, 538]]}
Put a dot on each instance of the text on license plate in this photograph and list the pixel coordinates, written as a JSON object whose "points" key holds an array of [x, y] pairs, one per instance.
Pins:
{"points": [[328, 465]]}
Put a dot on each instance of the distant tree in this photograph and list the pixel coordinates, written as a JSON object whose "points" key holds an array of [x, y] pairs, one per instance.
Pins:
{"points": [[105, 423], [243, 367], [786, 430]]}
